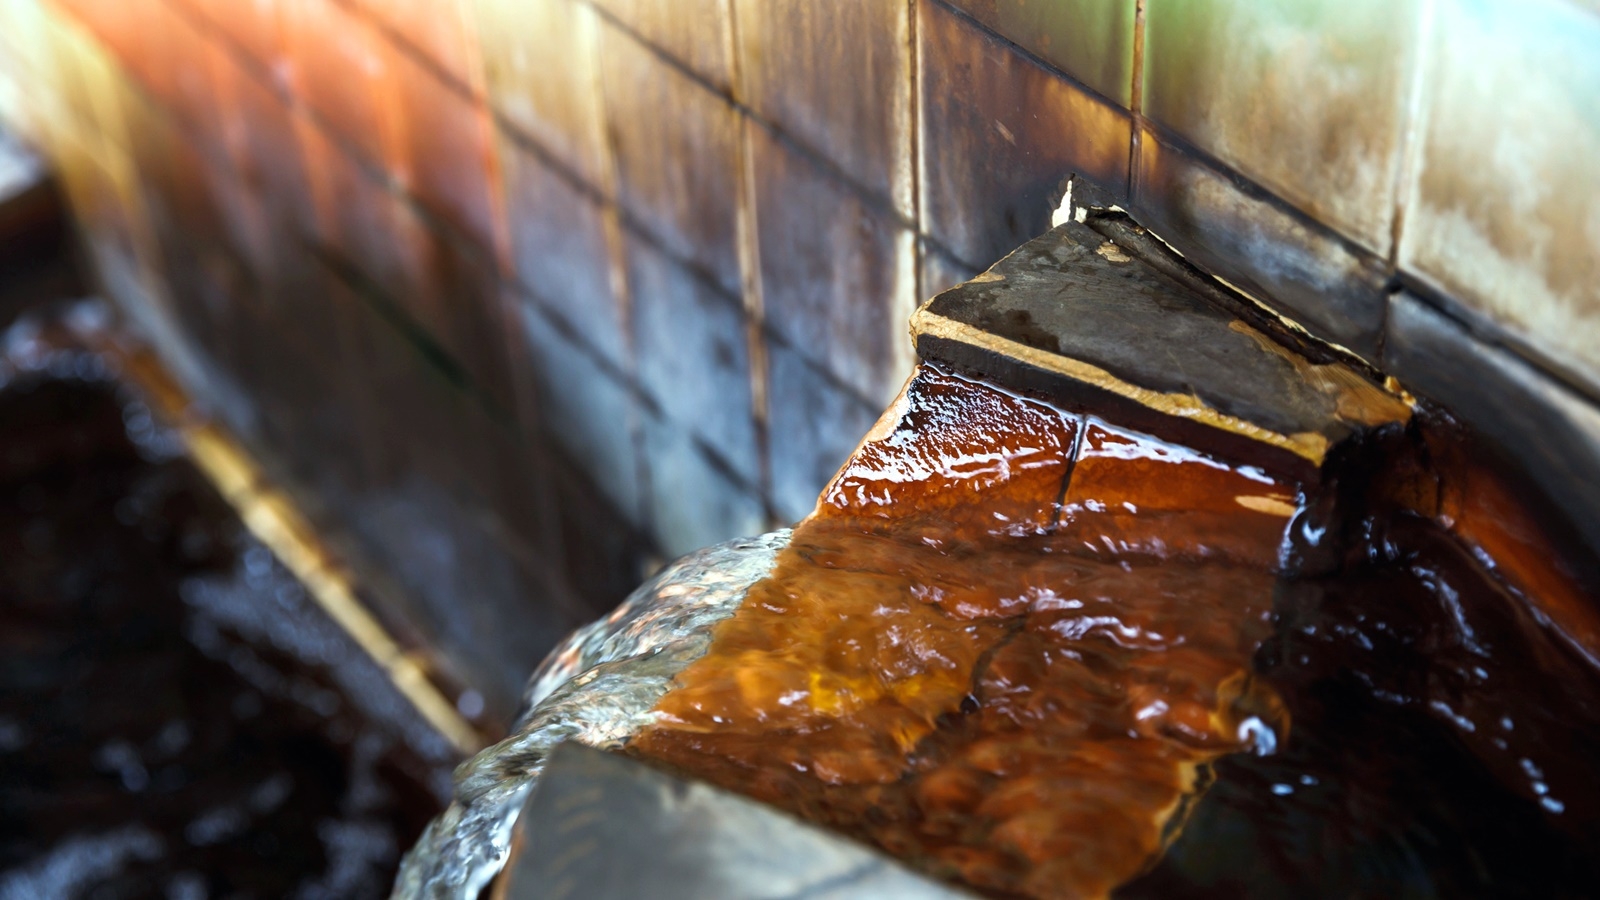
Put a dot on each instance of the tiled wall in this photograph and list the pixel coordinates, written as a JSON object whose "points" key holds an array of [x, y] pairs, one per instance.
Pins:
{"points": [[531, 293]]}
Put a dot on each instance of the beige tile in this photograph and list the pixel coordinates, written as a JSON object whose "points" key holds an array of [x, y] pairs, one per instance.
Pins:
{"points": [[1000, 137], [1306, 98], [1502, 212], [836, 76], [695, 33], [677, 156], [541, 72], [838, 275], [1091, 40]]}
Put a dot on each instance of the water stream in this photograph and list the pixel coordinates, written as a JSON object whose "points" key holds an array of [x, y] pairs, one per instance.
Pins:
{"points": [[1036, 654]]}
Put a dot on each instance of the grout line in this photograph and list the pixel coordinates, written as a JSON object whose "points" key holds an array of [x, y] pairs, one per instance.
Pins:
{"points": [[1254, 190], [591, 35], [753, 301], [1026, 54], [1412, 134], [1136, 101]]}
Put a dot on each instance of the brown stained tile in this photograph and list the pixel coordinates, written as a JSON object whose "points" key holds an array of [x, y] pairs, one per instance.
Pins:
{"points": [[584, 410], [1501, 211], [838, 277], [837, 78], [448, 152], [960, 455], [341, 68], [812, 426], [693, 503], [692, 345], [1000, 136], [438, 29], [695, 33], [1304, 271], [1091, 41], [1307, 99], [1552, 433], [677, 154], [559, 249], [1133, 495], [541, 73]]}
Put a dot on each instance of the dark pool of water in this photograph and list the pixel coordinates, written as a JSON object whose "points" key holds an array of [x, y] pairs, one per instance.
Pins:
{"points": [[177, 718]]}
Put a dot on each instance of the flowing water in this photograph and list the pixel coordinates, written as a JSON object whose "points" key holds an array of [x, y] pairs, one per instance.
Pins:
{"points": [[1036, 654]]}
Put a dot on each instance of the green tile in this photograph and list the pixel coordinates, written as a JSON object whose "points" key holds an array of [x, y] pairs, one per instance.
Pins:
{"points": [[1091, 40], [1306, 97], [1501, 211]]}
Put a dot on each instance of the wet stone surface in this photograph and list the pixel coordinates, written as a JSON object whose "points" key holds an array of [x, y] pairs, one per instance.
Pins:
{"points": [[177, 718]]}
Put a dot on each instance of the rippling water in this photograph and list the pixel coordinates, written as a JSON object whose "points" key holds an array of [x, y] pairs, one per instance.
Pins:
{"points": [[1033, 653]]}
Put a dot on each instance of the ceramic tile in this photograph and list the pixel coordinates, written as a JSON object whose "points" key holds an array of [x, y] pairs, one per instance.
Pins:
{"points": [[449, 287], [693, 355], [813, 424], [677, 151], [838, 277], [345, 72], [440, 30], [1000, 137], [540, 63], [837, 78], [254, 26], [1306, 98], [1091, 40], [941, 272], [448, 153], [1501, 212], [1304, 271], [584, 409], [559, 249], [694, 33], [606, 556], [693, 502]]}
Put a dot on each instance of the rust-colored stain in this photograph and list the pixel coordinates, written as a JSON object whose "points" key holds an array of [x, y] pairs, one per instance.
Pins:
{"points": [[936, 666]]}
